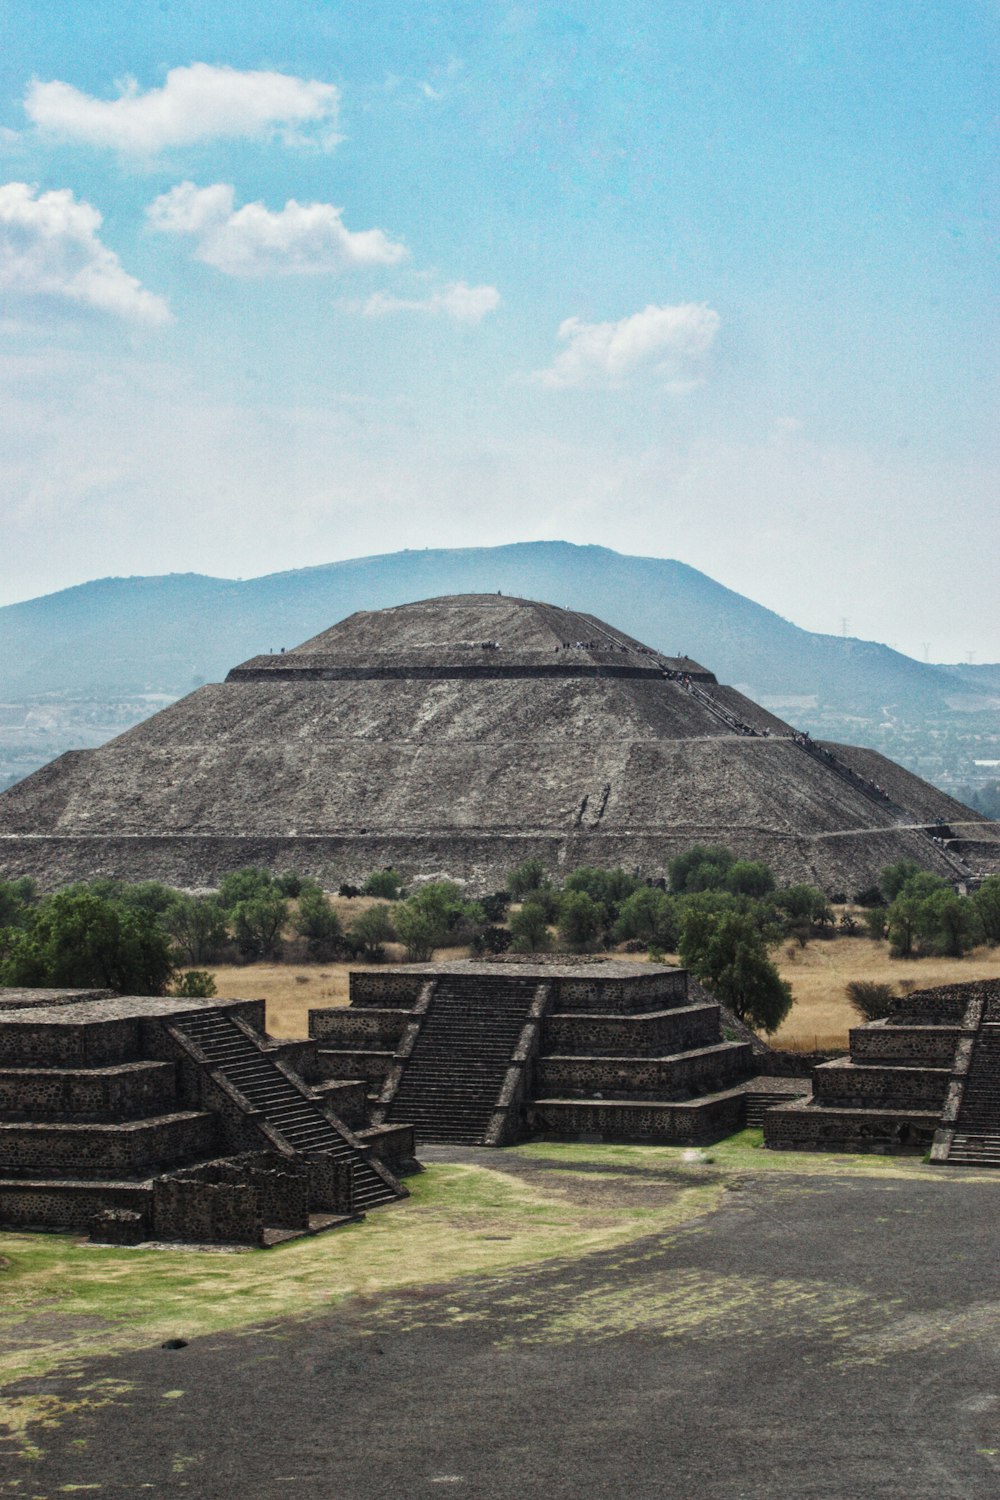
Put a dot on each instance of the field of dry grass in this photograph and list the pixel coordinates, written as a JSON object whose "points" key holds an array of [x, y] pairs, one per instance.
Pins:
{"points": [[818, 973]]}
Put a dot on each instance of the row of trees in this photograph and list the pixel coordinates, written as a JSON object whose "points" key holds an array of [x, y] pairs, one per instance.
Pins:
{"points": [[924, 915]]}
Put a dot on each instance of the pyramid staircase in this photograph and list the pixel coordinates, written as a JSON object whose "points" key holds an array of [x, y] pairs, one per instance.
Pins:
{"points": [[452, 1083], [231, 1048], [976, 1141]]}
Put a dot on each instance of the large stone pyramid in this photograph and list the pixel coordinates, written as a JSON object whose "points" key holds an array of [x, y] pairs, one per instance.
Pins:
{"points": [[457, 737]]}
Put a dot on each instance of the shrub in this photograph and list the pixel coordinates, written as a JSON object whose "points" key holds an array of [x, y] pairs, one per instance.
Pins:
{"points": [[748, 877], [526, 879], [491, 940], [987, 903], [385, 884], [648, 916], [495, 906], [869, 895], [17, 897], [348, 891], [194, 984], [870, 1000]]}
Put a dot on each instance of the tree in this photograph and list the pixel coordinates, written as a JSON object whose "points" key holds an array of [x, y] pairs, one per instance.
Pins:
{"points": [[319, 924], [727, 951], [258, 923], [949, 924], [894, 877], [870, 1000], [580, 921], [749, 877], [876, 923], [418, 931], [82, 941], [987, 902], [529, 928], [245, 885], [17, 897], [701, 868], [608, 888], [373, 928], [903, 925], [197, 925], [649, 915], [385, 884], [527, 878]]}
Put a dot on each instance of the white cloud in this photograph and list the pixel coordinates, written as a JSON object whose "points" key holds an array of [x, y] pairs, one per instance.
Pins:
{"points": [[50, 249], [198, 103], [669, 342], [300, 239], [464, 303]]}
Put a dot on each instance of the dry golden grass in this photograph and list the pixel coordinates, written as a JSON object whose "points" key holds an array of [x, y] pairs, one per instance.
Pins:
{"points": [[290, 991], [818, 973]]}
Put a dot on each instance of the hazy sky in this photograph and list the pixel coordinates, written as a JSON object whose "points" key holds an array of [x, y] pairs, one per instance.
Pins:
{"points": [[283, 284]]}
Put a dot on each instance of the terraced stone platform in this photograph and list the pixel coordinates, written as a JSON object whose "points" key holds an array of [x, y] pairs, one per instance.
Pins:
{"points": [[926, 1079], [153, 1117], [486, 1052]]}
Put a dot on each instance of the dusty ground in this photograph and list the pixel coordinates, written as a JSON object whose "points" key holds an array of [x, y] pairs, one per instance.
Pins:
{"points": [[549, 1323], [817, 973]]}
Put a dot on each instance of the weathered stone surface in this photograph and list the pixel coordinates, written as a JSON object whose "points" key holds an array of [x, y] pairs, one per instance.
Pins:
{"points": [[458, 737]]}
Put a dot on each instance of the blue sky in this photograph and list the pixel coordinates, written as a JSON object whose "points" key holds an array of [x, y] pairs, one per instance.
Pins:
{"points": [[282, 285]]}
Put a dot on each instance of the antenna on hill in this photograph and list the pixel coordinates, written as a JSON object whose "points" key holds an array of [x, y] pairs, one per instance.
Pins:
{"points": [[970, 657], [843, 624], [927, 650]]}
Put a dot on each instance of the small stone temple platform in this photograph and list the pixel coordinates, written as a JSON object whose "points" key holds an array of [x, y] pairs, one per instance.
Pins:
{"points": [[486, 1052], [926, 1079], [154, 1118]]}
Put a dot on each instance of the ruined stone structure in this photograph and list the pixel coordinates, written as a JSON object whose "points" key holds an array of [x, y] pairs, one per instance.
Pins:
{"points": [[486, 1052], [140, 1118], [925, 1079], [459, 736]]}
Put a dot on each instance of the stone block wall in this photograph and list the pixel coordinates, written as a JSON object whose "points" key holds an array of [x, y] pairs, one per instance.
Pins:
{"points": [[700, 1071], [656, 1034], [846, 1084], [589, 992], [102, 1150], [673, 1124], [385, 989], [789, 1127], [932, 1046], [119, 1093], [377, 1028]]}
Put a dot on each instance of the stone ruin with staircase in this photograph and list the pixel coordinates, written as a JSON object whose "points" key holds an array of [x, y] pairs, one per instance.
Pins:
{"points": [[487, 1052], [924, 1080], [154, 1118]]}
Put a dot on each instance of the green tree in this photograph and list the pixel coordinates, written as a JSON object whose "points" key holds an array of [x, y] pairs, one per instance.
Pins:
{"points": [[903, 921], [527, 878], [894, 877], [418, 931], [876, 923], [17, 898], [703, 867], [987, 901], [245, 885], [749, 877], [650, 916], [949, 923], [581, 919], [385, 884], [197, 925], [529, 928], [258, 923], [372, 929], [608, 888], [726, 950], [82, 941], [319, 924]]}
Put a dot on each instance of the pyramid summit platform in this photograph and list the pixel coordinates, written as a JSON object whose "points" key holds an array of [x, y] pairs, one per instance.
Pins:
{"points": [[460, 736]]}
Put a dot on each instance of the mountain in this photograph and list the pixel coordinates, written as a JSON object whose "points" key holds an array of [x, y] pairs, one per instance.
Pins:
{"points": [[117, 637]]}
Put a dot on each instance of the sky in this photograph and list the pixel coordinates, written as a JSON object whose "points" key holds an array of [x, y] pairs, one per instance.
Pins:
{"points": [[282, 285]]}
